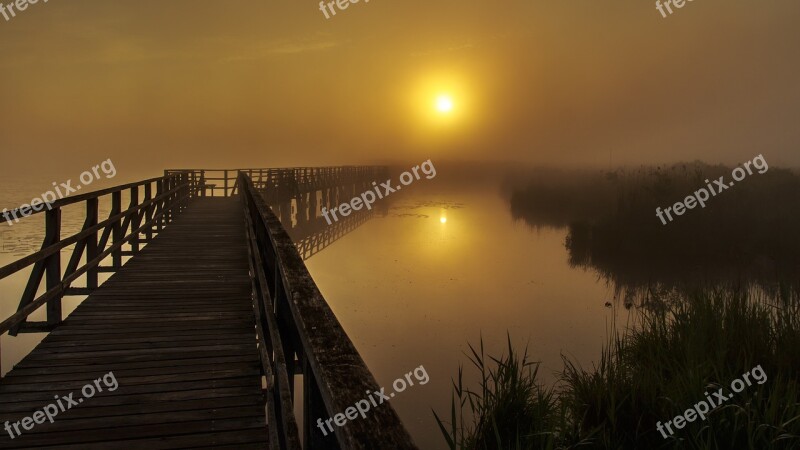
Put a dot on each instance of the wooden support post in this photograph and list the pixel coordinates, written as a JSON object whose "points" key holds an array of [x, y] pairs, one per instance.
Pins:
{"points": [[182, 195], [313, 207], [91, 242], [136, 220], [148, 215], [116, 229], [159, 205], [314, 409], [53, 265], [168, 184]]}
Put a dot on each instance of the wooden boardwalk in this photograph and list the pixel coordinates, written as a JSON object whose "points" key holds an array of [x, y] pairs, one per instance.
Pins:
{"points": [[198, 340], [176, 327]]}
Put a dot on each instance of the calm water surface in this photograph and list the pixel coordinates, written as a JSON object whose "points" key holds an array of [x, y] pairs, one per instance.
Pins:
{"points": [[413, 289]]}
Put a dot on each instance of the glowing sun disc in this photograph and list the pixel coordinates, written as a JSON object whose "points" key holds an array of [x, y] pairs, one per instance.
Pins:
{"points": [[444, 104]]}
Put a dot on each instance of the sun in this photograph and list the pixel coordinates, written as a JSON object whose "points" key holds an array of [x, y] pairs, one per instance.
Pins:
{"points": [[441, 101], [444, 104]]}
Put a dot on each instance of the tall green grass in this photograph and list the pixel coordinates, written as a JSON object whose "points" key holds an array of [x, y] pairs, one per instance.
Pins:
{"points": [[649, 373], [509, 408]]}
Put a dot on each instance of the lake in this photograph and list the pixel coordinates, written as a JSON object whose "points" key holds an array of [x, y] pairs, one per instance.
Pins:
{"points": [[413, 289]]}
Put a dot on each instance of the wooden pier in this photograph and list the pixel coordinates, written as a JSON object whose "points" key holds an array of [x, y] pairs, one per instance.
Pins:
{"points": [[205, 328]]}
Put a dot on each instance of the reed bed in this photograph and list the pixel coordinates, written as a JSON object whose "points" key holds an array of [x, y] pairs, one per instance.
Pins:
{"points": [[648, 373]]}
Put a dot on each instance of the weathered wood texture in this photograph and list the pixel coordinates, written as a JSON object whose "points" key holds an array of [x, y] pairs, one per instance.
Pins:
{"points": [[335, 376], [176, 327]]}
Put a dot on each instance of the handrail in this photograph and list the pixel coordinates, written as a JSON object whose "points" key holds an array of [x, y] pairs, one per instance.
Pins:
{"points": [[284, 434], [296, 330], [79, 198], [294, 319], [94, 243], [303, 179]]}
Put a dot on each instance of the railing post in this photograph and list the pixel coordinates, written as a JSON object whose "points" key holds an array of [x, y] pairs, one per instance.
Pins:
{"points": [[159, 204], [177, 206], [53, 265], [91, 242], [116, 229], [225, 192], [313, 409], [283, 315], [174, 198], [168, 200], [190, 186], [184, 192], [136, 220], [192, 181], [148, 212], [313, 207]]}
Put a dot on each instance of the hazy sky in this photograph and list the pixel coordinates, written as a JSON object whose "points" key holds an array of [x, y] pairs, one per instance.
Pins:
{"points": [[156, 84]]}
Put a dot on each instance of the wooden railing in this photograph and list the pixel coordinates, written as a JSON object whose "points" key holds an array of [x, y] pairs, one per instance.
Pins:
{"points": [[210, 182], [298, 332], [153, 204], [223, 182]]}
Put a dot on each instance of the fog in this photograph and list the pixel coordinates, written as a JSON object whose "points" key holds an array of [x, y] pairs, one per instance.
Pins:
{"points": [[242, 83]]}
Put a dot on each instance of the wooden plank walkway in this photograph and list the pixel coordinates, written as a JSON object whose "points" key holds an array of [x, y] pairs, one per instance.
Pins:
{"points": [[175, 326]]}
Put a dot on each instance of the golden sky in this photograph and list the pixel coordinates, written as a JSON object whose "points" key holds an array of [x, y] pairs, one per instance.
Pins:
{"points": [[154, 84]]}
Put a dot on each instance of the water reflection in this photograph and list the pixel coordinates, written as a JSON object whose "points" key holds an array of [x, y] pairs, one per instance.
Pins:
{"points": [[301, 216], [411, 290]]}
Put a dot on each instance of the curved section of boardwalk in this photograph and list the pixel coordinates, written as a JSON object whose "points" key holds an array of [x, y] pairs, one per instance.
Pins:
{"points": [[176, 327]]}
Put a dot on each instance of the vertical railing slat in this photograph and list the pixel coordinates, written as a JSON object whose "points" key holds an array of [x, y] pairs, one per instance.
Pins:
{"points": [[148, 215], [136, 220], [53, 265], [116, 229], [91, 242]]}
